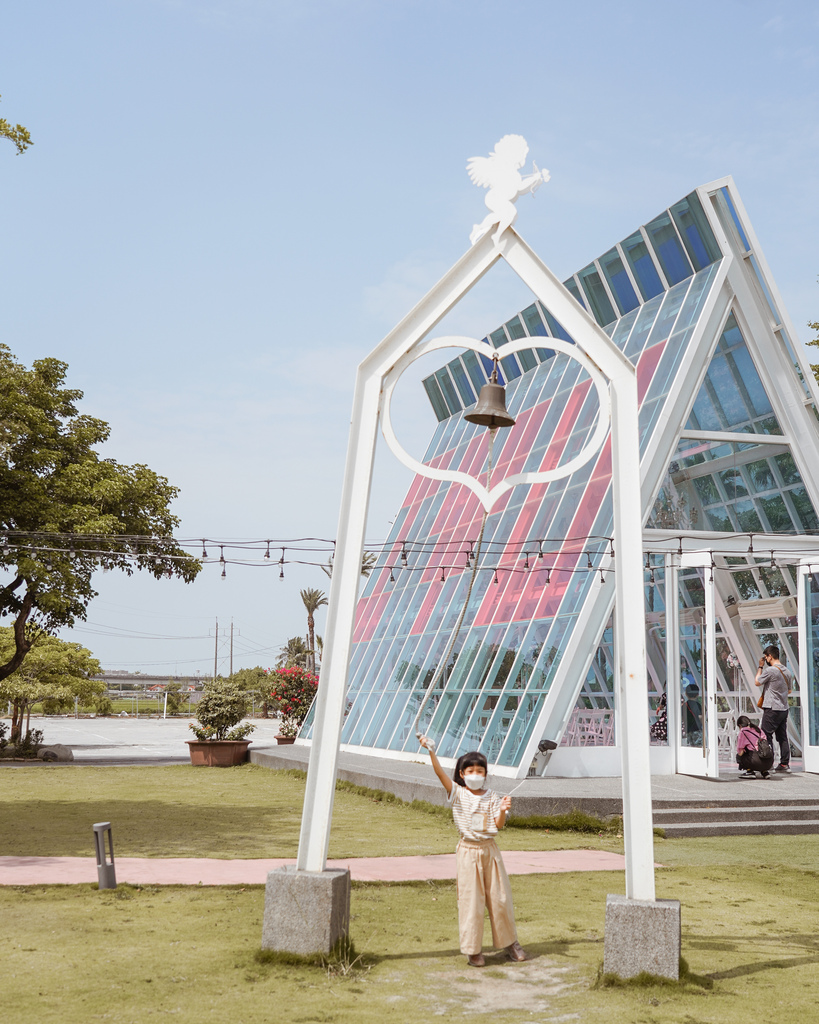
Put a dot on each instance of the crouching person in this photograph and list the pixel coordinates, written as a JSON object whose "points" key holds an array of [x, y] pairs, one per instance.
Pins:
{"points": [[754, 752]]}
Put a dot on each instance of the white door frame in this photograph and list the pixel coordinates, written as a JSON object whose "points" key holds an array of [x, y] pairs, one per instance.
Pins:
{"points": [[700, 761], [810, 753]]}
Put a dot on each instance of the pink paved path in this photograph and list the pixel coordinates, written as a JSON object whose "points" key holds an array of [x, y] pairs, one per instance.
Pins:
{"points": [[199, 870]]}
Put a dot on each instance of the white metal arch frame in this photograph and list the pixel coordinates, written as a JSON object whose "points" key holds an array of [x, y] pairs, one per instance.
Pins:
{"points": [[404, 339], [488, 498]]}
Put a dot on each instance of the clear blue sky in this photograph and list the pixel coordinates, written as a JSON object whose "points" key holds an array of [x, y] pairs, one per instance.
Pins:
{"points": [[228, 204]]}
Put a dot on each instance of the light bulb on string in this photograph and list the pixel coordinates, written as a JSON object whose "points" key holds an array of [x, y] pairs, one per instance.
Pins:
{"points": [[204, 549], [392, 578], [443, 578], [224, 568], [221, 555], [404, 553], [267, 553], [495, 580], [526, 563], [589, 561]]}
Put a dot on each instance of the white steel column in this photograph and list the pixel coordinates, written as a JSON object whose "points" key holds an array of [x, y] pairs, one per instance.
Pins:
{"points": [[317, 813], [629, 621]]}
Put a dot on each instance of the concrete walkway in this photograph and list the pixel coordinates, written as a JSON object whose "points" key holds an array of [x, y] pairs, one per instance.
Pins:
{"points": [[203, 871]]}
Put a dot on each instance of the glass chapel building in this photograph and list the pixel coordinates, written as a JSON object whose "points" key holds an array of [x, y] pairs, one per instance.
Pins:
{"points": [[729, 436]]}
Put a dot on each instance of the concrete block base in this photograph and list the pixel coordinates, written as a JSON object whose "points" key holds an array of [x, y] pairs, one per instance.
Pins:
{"points": [[306, 912], [642, 935]]}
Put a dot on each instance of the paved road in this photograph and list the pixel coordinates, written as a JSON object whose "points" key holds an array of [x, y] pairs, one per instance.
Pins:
{"points": [[132, 741]]}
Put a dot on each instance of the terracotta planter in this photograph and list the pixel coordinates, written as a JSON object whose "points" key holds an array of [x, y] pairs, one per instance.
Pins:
{"points": [[285, 739], [218, 753]]}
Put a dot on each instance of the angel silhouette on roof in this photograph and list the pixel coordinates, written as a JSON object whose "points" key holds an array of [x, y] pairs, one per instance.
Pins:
{"points": [[499, 173]]}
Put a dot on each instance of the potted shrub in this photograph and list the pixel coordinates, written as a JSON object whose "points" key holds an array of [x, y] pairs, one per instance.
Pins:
{"points": [[220, 740], [292, 691]]}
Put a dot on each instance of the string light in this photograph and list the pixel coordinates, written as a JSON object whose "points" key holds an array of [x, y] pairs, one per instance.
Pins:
{"points": [[443, 578], [495, 581], [526, 563], [204, 550], [392, 578], [267, 552]]}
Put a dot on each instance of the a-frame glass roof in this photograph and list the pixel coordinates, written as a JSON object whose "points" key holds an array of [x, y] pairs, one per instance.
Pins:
{"points": [[546, 548]]}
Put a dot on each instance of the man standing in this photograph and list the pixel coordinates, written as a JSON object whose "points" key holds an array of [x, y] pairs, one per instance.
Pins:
{"points": [[776, 681]]}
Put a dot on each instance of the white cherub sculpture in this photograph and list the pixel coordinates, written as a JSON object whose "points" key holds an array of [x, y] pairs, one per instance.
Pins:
{"points": [[499, 173]]}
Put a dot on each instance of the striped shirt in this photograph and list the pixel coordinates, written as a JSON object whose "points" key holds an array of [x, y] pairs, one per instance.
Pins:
{"points": [[475, 814]]}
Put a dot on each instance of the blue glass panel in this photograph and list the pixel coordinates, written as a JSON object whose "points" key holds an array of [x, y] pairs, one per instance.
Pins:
{"points": [[510, 367], [642, 266], [498, 338], [731, 209], [526, 358], [489, 366], [458, 372], [596, 293], [669, 251], [732, 395], [448, 391], [476, 374], [695, 231], [436, 398], [623, 328], [556, 329], [619, 281], [533, 321], [514, 328], [571, 284]]}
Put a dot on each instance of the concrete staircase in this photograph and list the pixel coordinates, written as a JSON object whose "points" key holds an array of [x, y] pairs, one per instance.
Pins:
{"points": [[784, 817]]}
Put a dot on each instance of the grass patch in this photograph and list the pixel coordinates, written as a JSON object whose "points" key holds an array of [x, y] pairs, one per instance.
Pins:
{"points": [[242, 812], [72, 954]]}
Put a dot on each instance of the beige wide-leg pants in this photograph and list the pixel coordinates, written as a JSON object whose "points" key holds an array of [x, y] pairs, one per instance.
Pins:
{"points": [[482, 882]]}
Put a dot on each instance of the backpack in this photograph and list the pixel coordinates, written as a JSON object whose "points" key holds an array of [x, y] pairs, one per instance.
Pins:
{"points": [[763, 748]]}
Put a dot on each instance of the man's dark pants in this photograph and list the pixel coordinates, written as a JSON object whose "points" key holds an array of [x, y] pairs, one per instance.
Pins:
{"points": [[775, 723]]}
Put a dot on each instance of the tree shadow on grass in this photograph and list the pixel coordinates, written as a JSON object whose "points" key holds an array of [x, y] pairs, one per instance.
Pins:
{"points": [[737, 944]]}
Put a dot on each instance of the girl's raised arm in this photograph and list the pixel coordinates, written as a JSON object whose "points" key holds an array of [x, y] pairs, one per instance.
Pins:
{"points": [[446, 782]]}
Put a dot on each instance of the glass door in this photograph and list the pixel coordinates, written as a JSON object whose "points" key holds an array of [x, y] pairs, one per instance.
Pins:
{"points": [[696, 667], [808, 620]]}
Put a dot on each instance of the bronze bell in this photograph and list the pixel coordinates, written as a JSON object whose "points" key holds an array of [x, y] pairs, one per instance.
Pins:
{"points": [[491, 408]]}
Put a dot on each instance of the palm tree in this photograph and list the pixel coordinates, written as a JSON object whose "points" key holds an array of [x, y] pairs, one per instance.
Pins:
{"points": [[368, 560], [294, 652], [313, 600]]}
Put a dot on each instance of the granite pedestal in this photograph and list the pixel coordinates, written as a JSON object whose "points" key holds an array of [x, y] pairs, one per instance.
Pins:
{"points": [[306, 912], [642, 935]]}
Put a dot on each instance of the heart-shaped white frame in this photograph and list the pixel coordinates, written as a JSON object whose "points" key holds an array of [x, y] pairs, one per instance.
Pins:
{"points": [[488, 497]]}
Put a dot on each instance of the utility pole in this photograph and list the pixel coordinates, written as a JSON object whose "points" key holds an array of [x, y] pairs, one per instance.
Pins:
{"points": [[231, 646], [216, 649]]}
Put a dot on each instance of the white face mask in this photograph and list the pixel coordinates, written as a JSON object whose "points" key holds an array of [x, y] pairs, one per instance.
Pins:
{"points": [[475, 781]]}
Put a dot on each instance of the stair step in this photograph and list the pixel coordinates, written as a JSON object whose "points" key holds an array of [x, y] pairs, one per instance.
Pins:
{"points": [[736, 812], [782, 827]]}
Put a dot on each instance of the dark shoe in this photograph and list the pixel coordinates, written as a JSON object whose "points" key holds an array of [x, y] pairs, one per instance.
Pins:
{"points": [[782, 768], [514, 952], [766, 775], [476, 960], [748, 775]]}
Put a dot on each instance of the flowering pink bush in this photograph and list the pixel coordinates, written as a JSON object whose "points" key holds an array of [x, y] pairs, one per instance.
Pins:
{"points": [[292, 691]]}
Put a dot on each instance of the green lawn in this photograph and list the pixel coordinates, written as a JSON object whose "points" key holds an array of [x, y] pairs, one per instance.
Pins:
{"points": [[181, 811], [72, 954]]}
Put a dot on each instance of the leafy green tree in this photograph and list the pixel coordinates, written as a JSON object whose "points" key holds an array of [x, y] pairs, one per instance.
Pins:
{"points": [[65, 511], [174, 697], [368, 560], [294, 652], [55, 670], [17, 135], [253, 681], [312, 600]]}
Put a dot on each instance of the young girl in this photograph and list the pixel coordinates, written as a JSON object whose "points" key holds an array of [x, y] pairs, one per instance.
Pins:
{"points": [[481, 877]]}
